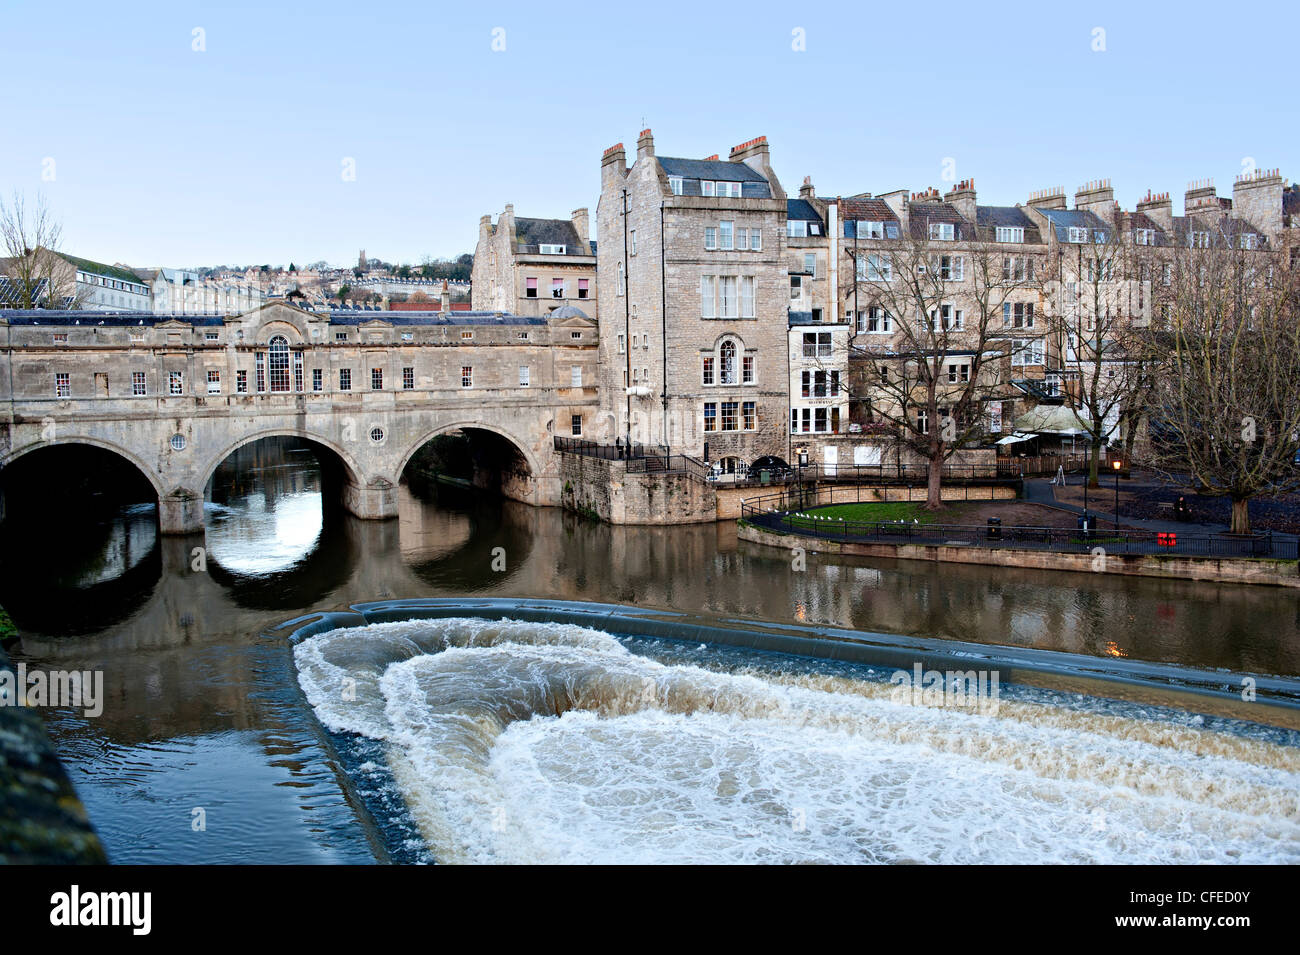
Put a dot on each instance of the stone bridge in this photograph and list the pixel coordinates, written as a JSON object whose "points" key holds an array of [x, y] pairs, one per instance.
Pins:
{"points": [[176, 395]]}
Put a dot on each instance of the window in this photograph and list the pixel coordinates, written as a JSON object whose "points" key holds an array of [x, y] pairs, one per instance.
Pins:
{"points": [[1249, 240], [575, 335], [749, 414], [675, 183], [875, 268], [816, 344], [210, 336], [708, 291], [297, 371], [742, 239], [870, 230], [727, 363], [730, 416], [958, 373], [755, 240], [923, 421], [707, 188], [747, 370], [747, 296], [726, 235], [317, 380], [708, 370], [645, 340], [467, 335], [943, 231], [175, 383], [1006, 233], [796, 286], [1144, 236], [796, 228], [1078, 235], [621, 284], [214, 381], [466, 376], [622, 344], [950, 268], [345, 379], [63, 388], [339, 337], [241, 381], [727, 296], [530, 288], [575, 425], [408, 336], [584, 288], [138, 383], [60, 338], [575, 376], [710, 238], [557, 288], [724, 190], [874, 321], [278, 350], [523, 336], [1017, 268], [408, 379], [551, 249], [1018, 315], [710, 416], [525, 376], [810, 263], [946, 318], [1027, 351], [631, 242]]}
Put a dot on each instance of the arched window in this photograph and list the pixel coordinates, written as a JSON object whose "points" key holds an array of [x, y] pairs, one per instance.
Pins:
{"points": [[728, 363], [279, 363]]}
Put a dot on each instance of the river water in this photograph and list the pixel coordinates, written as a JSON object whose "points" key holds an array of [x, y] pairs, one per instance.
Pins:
{"points": [[207, 750]]}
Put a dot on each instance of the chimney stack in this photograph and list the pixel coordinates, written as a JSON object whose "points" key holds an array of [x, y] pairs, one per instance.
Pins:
{"points": [[962, 198], [806, 191], [1257, 198], [1201, 199], [1159, 208], [580, 225], [613, 164], [1097, 197], [645, 145]]}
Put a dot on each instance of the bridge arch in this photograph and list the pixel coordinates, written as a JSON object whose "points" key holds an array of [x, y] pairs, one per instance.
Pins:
{"points": [[147, 472], [351, 472], [526, 452]]}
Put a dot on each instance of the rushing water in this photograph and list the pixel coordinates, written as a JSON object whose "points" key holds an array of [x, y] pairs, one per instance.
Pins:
{"points": [[204, 710]]}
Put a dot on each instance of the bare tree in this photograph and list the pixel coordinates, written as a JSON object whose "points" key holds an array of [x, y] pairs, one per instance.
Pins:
{"points": [[38, 275], [1100, 288], [942, 304], [1225, 420]]}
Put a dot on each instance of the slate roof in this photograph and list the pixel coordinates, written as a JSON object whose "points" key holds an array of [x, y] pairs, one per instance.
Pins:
{"points": [[1063, 220], [691, 171], [801, 209], [539, 232], [1220, 228], [922, 214], [988, 218], [345, 316]]}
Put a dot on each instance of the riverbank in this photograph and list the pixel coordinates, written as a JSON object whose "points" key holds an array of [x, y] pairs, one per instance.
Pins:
{"points": [[43, 821], [1267, 571]]}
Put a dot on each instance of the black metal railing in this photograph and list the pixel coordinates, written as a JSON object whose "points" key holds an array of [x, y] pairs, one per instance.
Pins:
{"points": [[792, 512]]}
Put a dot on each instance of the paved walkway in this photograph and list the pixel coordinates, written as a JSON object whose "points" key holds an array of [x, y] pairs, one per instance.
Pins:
{"points": [[1039, 491]]}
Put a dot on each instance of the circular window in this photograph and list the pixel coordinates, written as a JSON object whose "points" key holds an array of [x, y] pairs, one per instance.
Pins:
{"points": [[178, 442], [377, 435]]}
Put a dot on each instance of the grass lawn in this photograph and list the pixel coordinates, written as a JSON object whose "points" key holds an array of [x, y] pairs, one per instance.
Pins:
{"points": [[890, 511]]}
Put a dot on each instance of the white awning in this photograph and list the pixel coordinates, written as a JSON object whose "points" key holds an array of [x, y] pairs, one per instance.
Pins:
{"points": [[1051, 419], [1016, 438]]}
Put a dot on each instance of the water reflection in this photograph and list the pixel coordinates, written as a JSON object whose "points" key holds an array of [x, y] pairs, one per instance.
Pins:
{"points": [[185, 660]]}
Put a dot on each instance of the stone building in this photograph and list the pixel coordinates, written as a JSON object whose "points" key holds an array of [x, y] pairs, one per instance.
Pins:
{"points": [[534, 266], [697, 298]]}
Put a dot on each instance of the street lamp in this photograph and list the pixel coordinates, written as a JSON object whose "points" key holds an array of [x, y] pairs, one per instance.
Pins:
{"points": [[1117, 464]]}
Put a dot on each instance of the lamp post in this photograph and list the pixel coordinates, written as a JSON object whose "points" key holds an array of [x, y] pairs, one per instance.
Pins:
{"points": [[1117, 464], [803, 463]]}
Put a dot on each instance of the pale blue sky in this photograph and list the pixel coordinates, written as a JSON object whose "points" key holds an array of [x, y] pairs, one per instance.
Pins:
{"points": [[167, 156]]}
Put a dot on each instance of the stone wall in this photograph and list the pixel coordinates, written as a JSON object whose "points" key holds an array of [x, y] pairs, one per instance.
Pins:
{"points": [[604, 489]]}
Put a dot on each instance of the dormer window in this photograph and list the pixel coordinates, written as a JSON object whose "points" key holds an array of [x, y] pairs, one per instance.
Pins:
{"points": [[942, 231], [1006, 233], [552, 249], [723, 190], [796, 228], [1144, 236], [1249, 240], [1199, 240], [675, 183], [1078, 235]]}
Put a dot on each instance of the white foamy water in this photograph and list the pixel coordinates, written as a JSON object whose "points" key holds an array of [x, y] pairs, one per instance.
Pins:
{"points": [[526, 742]]}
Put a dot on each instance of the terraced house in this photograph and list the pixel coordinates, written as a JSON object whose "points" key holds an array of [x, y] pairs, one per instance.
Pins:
{"points": [[694, 326], [531, 267]]}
